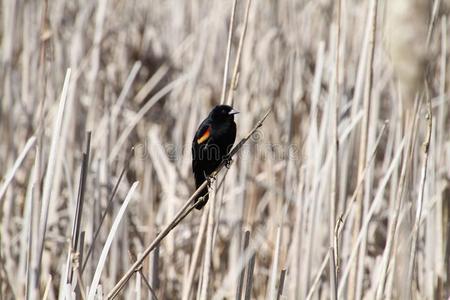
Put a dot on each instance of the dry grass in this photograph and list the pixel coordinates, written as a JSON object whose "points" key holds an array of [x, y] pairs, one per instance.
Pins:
{"points": [[343, 193]]}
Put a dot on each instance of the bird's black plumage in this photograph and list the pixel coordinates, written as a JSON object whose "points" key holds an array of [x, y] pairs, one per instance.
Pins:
{"points": [[213, 140]]}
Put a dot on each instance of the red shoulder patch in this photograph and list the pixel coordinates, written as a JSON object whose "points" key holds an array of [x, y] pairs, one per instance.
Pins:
{"points": [[204, 136]]}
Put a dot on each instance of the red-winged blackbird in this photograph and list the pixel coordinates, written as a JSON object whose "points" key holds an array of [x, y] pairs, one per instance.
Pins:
{"points": [[213, 140]]}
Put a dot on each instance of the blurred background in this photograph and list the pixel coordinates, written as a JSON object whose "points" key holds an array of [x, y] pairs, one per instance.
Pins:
{"points": [[343, 193]]}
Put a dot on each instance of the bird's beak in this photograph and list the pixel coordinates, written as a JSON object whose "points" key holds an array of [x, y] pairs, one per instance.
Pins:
{"points": [[233, 112]]}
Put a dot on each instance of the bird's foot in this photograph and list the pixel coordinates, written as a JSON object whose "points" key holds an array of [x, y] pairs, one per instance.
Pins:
{"points": [[210, 179], [228, 161]]}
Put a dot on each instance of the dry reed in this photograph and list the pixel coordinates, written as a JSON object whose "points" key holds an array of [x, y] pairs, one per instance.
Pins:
{"points": [[333, 198]]}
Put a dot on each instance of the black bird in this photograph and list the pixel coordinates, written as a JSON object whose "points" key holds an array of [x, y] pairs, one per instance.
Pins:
{"points": [[213, 140]]}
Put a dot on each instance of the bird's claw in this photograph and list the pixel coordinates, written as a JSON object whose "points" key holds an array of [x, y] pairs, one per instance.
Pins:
{"points": [[210, 180], [228, 161]]}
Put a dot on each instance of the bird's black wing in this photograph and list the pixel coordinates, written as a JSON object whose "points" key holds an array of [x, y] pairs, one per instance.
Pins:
{"points": [[201, 137]]}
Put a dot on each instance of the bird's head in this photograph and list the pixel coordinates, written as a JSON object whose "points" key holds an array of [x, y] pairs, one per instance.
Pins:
{"points": [[223, 113]]}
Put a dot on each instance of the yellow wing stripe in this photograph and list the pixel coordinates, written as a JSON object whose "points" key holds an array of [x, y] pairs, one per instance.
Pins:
{"points": [[205, 136]]}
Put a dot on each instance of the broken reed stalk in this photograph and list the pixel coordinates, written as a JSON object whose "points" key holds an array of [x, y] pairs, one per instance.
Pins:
{"points": [[76, 226], [281, 284], [182, 213], [271, 290], [249, 284]]}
